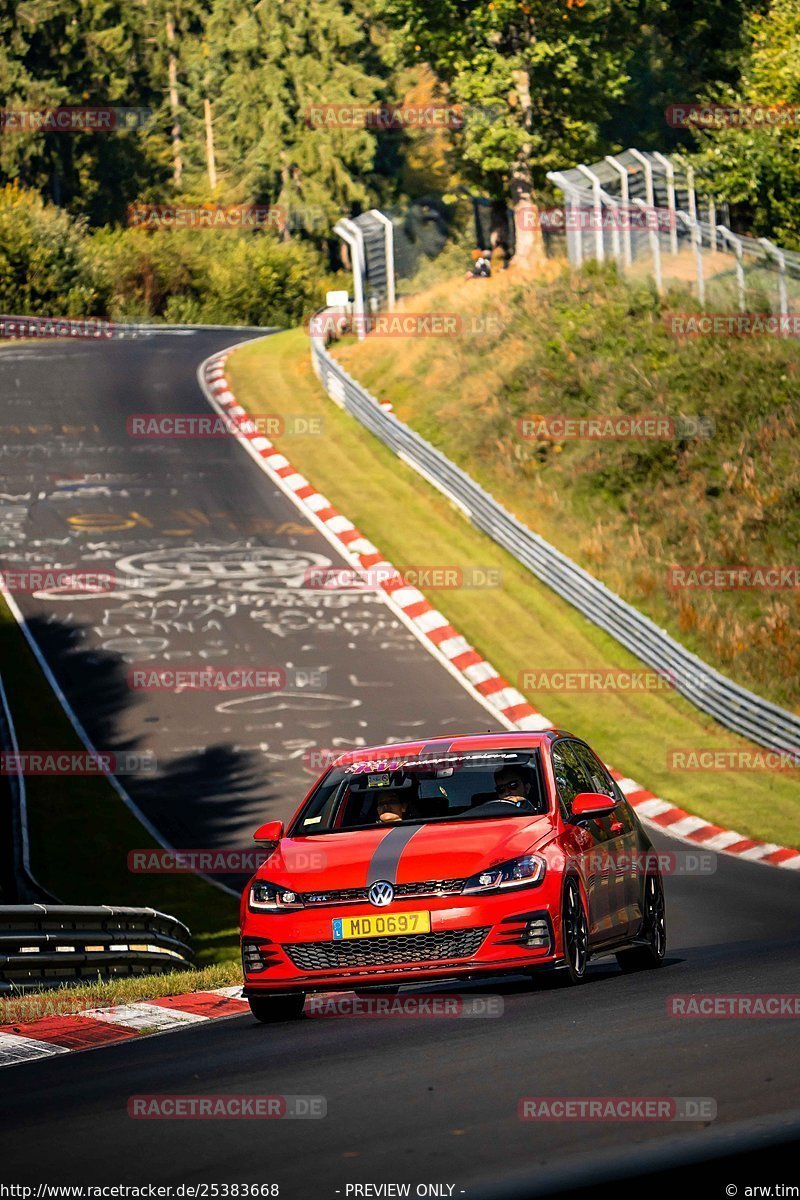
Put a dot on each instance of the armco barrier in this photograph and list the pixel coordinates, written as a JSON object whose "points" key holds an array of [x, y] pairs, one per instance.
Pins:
{"points": [[733, 706], [51, 945]]}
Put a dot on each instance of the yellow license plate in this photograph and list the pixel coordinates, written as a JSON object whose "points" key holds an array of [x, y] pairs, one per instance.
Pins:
{"points": [[381, 925]]}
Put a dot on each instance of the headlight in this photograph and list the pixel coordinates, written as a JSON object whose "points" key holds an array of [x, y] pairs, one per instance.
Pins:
{"points": [[517, 872], [266, 897]]}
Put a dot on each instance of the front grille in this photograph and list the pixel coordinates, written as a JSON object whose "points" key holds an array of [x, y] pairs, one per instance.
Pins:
{"points": [[380, 951], [402, 891]]}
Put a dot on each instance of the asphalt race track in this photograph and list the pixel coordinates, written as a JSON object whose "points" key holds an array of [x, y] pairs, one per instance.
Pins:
{"points": [[213, 566], [432, 1100], [419, 1101]]}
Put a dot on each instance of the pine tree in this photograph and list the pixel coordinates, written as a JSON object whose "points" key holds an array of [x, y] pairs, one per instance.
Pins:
{"points": [[261, 69], [79, 52]]}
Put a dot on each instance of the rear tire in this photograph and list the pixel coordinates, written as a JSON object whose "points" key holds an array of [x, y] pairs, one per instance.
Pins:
{"points": [[654, 929], [574, 934], [269, 1009]]}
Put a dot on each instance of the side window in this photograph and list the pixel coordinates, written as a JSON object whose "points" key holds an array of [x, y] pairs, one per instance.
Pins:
{"points": [[570, 777], [600, 780]]}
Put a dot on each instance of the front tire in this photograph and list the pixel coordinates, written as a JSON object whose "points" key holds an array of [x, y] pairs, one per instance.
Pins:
{"points": [[654, 929], [269, 1009], [574, 934]]}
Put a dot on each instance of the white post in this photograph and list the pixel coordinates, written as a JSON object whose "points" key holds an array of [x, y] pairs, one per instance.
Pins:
{"points": [[648, 175], [599, 242], [712, 221], [736, 242], [697, 245], [574, 244], [669, 171], [613, 205], [655, 247], [777, 253], [625, 197], [692, 195], [388, 228]]}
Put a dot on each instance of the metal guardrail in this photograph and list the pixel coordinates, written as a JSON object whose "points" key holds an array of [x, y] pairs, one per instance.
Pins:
{"points": [[733, 706], [52, 945]]}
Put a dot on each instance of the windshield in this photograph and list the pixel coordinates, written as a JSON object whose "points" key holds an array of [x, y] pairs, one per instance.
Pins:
{"points": [[447, 787]]}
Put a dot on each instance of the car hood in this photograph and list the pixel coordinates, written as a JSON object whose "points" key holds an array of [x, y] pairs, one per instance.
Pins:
{"points": [[402, 853]]}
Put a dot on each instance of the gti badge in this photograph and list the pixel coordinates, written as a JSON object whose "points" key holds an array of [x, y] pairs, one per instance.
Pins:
{"points": [[381, 894]]}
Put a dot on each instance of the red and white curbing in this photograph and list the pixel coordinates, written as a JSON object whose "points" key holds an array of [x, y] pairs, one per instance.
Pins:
{"points": [[53, 1035], [434, 629]]}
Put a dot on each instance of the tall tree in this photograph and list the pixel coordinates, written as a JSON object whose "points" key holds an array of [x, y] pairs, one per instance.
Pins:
{"points": [[757, 167], [79, 52], [264, 67], [536, 79]]}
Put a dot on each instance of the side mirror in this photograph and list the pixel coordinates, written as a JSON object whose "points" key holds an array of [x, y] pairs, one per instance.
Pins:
{"points": [[592, 804], [269, 834]]}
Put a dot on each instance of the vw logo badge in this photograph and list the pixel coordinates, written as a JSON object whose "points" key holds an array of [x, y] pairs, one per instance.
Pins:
{"points": [[381, 893]]}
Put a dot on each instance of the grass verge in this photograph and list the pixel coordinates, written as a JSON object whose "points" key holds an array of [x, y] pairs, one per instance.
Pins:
{"points": [[721, 489], [520, 625], [72, 1001]]}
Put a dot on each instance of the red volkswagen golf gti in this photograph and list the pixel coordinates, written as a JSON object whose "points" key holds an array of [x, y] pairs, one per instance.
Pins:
{"points": [[450, 859]]}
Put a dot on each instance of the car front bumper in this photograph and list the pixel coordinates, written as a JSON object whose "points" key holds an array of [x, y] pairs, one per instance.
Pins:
{"points": [[506, 932]]}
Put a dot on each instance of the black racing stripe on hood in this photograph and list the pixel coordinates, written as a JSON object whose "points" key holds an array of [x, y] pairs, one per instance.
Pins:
{"points": [[434, 749], [386, 858]]}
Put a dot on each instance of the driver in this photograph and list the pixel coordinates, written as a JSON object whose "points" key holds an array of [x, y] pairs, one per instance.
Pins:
{"points": [[392, 806], [512, 787]]}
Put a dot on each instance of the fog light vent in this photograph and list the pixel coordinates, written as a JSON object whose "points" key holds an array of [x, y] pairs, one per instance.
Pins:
{"points": [[252, 959], [537, 934]]}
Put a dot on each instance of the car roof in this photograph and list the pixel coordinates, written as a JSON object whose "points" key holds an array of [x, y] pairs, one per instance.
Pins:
{"points": [[511, 739]]}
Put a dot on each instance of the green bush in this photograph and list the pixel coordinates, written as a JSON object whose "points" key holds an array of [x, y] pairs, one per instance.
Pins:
{"points": [[44, 265], [51, 265], [216, 277]]}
